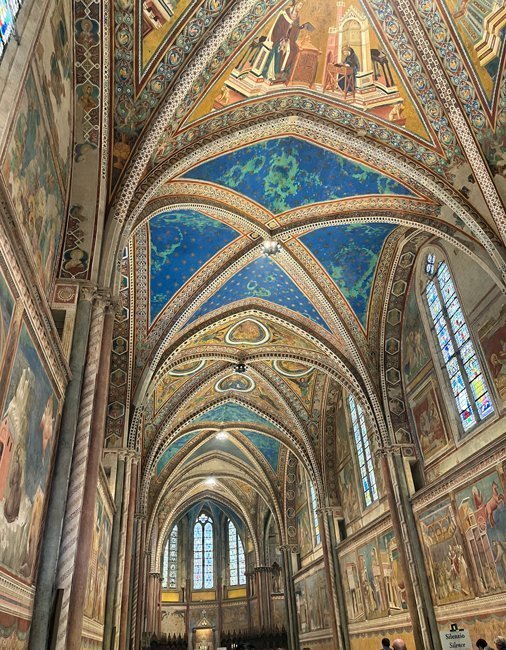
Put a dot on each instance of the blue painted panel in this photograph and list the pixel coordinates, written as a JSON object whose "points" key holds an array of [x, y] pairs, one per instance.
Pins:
{"points": [[264, 279], [285, 173], [224, 446], [349, 254], [181, 241], [231, 412], [268, 446], [172, 450]]}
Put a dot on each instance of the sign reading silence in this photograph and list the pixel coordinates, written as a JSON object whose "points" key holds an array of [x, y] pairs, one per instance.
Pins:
{"points": [[456, 639]]}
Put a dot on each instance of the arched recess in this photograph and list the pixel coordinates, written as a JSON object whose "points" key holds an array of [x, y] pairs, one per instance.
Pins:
{"points": [[404, 265], [180, 508], [127, 212]]}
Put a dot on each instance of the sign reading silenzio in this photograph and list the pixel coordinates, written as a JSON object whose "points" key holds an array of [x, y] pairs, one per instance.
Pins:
{"points": [[456, 639]]}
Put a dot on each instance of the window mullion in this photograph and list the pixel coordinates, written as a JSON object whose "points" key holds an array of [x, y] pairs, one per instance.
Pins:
{"points": [[456, 355]]}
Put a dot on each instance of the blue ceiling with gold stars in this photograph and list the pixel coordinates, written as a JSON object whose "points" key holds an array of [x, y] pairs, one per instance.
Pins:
{"points": [[263, 278], [281, 174], [349, 254], [268, 446], [232, 412], [181, 241]]}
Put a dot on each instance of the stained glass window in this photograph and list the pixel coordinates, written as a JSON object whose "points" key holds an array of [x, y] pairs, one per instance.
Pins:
{"points": [[169, 566], [8, 11], [237, 561], [316, 525], [363, 448], [203, 553], [461, 362]]}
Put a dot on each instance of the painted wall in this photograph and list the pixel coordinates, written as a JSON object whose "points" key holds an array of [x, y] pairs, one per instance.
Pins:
{"points": [[38, 184], [28, 433], [96, 584]]}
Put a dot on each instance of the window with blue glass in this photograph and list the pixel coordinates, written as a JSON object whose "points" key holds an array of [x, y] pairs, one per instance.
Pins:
{"points": [[316, 525], [169, 564], [367, 477], [8, 11], [236, 559], [203, 553], [468, 385]]}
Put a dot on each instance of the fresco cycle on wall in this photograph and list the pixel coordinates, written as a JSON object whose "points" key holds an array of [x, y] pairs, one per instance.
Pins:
{"points": [[312, 599], [33, 184], [429, 423], [27, 430], [96, 584], [374, 584], [6, 309], [465, 542]]}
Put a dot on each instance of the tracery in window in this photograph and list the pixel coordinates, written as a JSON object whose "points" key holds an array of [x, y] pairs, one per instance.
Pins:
{"points": [[8, 11], [363, 448], [203, 553], [461, 362], [169, 580], [316, 525], [237, 561]]}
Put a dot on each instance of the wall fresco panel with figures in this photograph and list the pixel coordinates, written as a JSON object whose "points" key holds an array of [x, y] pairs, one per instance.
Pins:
{"points": [[28, 432], [96, 585], [464, 542]]}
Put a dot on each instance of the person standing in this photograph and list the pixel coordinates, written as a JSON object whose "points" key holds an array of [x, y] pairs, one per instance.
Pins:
{"points": [[385, 644], [482, 644]]}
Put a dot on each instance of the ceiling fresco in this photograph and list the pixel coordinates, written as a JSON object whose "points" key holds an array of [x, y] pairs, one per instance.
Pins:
{"points": [[316, 64], [173, 380], [232, 412], [268, 446], [173, 449], [157, 19], [262, 278], [281, 174], [300, 378], [332, 49], [215, 445], [349, 254], [480, 27], [249, 329], [181, 241]]}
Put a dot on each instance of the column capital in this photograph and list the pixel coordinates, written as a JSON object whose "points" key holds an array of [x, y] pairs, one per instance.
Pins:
{"points": [[125, 453], [87, 292], [397, 449], [263, 569], [140, 516]]}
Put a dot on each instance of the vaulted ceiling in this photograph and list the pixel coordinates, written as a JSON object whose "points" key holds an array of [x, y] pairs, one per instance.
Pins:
{"points": [[347, 132]]}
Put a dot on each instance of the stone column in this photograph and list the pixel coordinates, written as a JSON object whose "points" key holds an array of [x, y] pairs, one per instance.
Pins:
{"points": [[423, 620], [327, 519], [139, 581], [128, 560], [115, 551], [249, 592], [264, 583], [330, 572], [50, 547], [87, 511], [291, 604]]}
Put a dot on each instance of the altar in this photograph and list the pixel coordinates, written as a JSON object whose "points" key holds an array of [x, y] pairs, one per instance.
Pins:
{"points": [[203, 635]]}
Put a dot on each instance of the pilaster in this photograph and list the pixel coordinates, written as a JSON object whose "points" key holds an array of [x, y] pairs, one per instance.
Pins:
{"points": [[423, 620], [291, 604]]}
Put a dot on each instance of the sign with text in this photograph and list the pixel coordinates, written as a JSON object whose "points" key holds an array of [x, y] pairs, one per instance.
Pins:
{"points": [[456, 639]]}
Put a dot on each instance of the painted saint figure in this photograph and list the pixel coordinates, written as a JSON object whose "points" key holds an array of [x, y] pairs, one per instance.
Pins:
{"points": [[283, 37]]}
